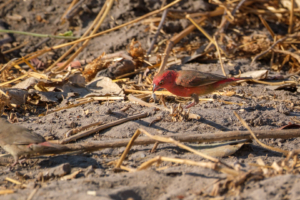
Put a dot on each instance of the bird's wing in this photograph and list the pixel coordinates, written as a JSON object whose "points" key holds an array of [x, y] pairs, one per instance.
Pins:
{"points": [[189, 78], [16, 134], [28, 137]]}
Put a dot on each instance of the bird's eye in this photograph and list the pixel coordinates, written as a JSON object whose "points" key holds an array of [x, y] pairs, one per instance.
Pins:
{"points": [[161, 82]]}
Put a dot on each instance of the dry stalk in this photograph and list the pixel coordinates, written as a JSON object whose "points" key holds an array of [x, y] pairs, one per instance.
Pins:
{"points": [[66, 107], [3, 192], [14, 80], [291, 21], [285, 152], [31, 67], [76, 130], [220, 56], [137, 71], [38, 53], [15, 182], [295, 35], [165, 93], [211, 40], [108, 98], [68, 9], [174, 40], [108, 7], [273, 83], [288, 53], [267, 26], [33, 192], [218, 165], [85, 34], [200, 138], [16, 48], [7, 65], [158, 159], [89, 132], [143, 103], [163, 18], [118, 27], [171, 140], [154, 147]]}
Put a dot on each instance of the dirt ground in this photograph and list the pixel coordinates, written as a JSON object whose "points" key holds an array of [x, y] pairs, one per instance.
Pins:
{"points": [[263, 109]]}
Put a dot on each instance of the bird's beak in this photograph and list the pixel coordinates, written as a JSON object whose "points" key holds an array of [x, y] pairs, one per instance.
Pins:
{"points": [[155, 87]]}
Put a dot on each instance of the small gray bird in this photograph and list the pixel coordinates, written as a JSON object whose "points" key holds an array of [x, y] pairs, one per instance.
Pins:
{"points": [[19, 141]]}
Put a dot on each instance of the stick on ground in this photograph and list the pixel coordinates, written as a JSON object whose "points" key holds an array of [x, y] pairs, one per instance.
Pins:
{"points": [[89, 132], [200, 138]]}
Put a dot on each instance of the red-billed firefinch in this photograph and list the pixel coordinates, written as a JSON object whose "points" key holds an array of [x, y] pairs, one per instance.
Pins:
{"points": [[190, 83]]}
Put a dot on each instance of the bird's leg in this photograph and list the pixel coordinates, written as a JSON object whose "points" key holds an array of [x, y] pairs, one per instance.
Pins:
{"points": [[195, 101], [18, 161]]}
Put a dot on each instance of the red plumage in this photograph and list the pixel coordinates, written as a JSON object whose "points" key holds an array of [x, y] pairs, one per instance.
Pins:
{"points": [[190, 83]]}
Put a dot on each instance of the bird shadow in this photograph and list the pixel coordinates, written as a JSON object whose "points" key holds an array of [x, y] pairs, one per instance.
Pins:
{"points": [[82, 161], [215, 125], [251, 149]]}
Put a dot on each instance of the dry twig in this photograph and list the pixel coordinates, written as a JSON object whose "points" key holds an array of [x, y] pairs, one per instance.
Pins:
{"points": [[200, 138], [89, 132]]}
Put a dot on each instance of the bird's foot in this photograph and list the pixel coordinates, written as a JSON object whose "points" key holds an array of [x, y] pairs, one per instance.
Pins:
{"points": [[195, 101], [15, 163], [190, 105]]}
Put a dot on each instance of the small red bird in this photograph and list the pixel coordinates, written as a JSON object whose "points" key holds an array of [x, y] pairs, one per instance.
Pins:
{"points": [[190, 83]]}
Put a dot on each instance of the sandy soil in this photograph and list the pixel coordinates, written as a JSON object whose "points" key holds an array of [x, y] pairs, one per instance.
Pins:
{"points": [[263, 108]]}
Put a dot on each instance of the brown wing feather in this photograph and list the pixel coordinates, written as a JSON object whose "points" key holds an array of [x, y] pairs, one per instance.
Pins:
{"points": [[189, 78], [16, 134]]}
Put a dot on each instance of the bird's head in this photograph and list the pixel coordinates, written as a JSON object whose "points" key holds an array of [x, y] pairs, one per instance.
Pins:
{"points": [[164, 79]]}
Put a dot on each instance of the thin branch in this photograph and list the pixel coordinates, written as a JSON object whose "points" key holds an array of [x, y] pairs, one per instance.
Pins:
{"points": [[89, 132], [38, 34], [73, 10], [84, 35], [285, 152], [38, 53], [199, 138], [174, 40], [288, 53], [85, 43], [118, 27], [220, 166], [273, 45], [163, 18], [220, 56], [67, 11], [226, 23], [291, 17]]}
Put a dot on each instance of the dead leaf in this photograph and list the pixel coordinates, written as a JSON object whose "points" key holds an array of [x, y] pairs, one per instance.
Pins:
{"points": [[219, 149], [103, 86], [260, 74], [27, 83]]}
